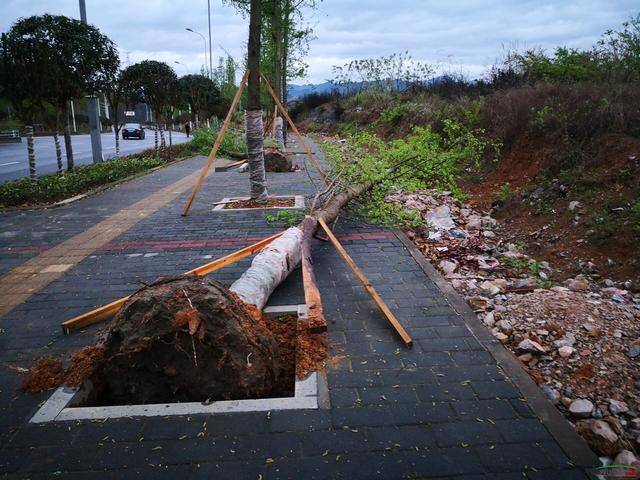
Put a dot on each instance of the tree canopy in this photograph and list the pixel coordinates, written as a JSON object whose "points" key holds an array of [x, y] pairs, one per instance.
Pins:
{"points": [[151, 82]]}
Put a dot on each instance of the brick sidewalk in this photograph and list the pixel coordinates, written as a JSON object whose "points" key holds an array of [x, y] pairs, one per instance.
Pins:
{"points": [[443, 409]]}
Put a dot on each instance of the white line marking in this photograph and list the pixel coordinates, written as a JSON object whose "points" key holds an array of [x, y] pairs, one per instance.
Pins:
{"points": [[9, 163]]}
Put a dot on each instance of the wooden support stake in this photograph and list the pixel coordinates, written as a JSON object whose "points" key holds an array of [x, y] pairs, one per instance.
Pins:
{"points": [[295, 130], [216, 145], [367, 285], [104, 312]]}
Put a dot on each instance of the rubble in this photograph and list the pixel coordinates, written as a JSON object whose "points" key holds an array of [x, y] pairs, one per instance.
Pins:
{"points": [[580, 341]]}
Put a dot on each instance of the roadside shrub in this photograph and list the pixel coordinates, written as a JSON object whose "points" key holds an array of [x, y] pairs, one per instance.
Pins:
{"points": [[233, 143], [51, 188]]}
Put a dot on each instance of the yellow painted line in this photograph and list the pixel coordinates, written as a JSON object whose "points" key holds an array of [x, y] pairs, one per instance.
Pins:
{"points": [[22, 281]]}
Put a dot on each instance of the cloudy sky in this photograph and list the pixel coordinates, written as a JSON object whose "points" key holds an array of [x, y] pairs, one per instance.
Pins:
{"points": [[463, 35]]}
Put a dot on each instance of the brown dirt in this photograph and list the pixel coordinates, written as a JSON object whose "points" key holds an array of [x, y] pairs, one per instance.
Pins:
{"points": [[83, 364], [46, 374], [551, 232], [309, 350], [270, 203]]}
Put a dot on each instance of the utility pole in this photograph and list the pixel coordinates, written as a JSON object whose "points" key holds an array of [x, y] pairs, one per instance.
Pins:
{"points": [[92, 110], [210, 54]]}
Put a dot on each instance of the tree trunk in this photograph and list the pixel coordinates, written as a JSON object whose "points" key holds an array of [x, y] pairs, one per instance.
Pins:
{"points": [[155, 136], [253, 116], [285, 59], [277, 75], [170, 138], [56, 141], [31, 152], [163, 144], [115, 130], [273, 264], [68, 146]]}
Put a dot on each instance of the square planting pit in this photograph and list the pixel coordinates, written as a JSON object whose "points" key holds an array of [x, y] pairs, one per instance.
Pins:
{"points": [[296, 200], [65, 404]]}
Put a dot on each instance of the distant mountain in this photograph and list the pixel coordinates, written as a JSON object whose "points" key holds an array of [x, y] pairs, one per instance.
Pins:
{"points": [[299, 91]]}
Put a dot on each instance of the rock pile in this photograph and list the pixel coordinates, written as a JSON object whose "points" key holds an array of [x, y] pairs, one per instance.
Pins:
{"points": [[579, 341]]}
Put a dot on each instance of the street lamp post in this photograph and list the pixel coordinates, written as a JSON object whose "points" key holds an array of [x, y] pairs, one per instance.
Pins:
{"points": [[183, 66], [92, 111], [204, 40], [210, 54]]}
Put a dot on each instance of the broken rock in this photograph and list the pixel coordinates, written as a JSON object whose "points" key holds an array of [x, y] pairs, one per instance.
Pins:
{"points": [[565, 351], [528, 345], [581, 408], [448, 267], [577, 284], [600, 436]]}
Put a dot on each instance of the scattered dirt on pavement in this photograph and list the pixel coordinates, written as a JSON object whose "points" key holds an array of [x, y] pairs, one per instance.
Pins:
{"points": [[270, 203], [83, 364], [47, 373]]}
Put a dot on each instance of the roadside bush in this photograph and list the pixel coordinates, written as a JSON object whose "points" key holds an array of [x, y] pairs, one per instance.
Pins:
{"points": [[51, 188], [233, 143]]}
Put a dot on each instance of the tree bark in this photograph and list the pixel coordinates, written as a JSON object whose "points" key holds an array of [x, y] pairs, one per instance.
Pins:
{"points": [[253, 116], [68, 146], [155, 136], [273, 264], [163, 144], [31, 153], [170, 138], [115, 130], [277, 67], [285, 59], [56, 141]]}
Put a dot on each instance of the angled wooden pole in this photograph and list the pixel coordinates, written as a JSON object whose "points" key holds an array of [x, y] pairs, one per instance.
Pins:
{"points": [[104, 312], [216, 145], [367, 285], [295, 130]]}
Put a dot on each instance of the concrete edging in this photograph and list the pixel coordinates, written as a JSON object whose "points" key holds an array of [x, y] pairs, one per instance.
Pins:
{"points": [[558, 426]]}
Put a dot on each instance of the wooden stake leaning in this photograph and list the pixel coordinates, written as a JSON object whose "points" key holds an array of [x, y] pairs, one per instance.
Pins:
{"points": [[216, 145], [104, 312], [367, 285], [295, 130]]}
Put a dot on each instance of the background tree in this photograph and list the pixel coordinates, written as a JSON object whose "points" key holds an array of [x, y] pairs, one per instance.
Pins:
{"points": [[80, 60], [24, 78], [201, 95], [116, 96], [153, 83]]}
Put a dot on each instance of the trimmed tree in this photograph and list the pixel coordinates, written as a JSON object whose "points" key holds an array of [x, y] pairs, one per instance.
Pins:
{"points": [[153, 83], [200, 94], [25, 73], [79, 60]]}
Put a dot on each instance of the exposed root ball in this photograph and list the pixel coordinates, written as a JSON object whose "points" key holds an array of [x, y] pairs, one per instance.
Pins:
{"points": [[186, 339]]}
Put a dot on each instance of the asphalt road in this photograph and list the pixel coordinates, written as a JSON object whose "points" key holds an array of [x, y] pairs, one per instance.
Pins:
{"points": [[14, 162]]}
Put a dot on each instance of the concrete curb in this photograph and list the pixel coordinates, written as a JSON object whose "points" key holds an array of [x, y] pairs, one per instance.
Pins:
{"points": [[571, 443]]}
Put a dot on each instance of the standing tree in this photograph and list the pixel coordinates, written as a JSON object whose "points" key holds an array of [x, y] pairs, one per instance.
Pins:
{"points": [[116, 97], [79, 60], [153, 83], [200, 94], [255, 144], [25, 76]]}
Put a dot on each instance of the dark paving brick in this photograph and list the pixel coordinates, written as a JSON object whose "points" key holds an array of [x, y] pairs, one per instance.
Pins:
{"points": [[466, 433]]}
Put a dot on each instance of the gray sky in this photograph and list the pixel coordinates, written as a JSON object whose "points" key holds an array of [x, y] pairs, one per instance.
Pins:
{"points": [[463, 35]]}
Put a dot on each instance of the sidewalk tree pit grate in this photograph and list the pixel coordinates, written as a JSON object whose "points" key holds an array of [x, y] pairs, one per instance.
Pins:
{"points": [[273, 202], [92, 402]]}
